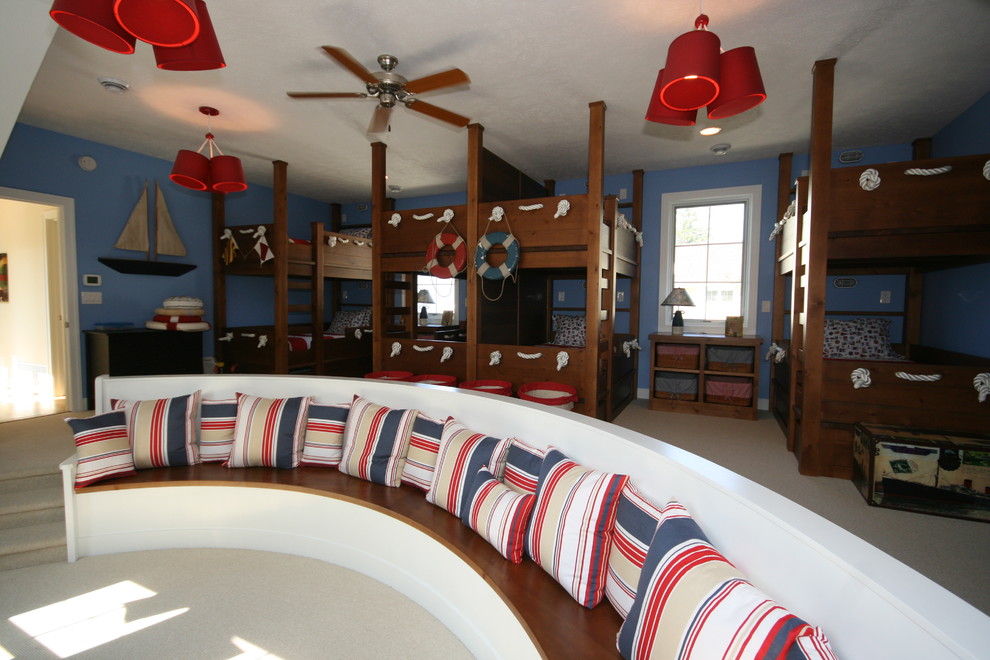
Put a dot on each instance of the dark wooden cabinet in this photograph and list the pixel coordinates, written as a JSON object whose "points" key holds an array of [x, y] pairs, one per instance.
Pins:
{"points": [[141, 352]]}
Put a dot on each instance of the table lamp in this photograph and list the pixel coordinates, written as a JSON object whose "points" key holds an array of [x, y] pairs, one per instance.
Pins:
{"points": [[424, 298], [677, 297]]}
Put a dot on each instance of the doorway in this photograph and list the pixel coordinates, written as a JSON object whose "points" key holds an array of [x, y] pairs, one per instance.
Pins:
{"points": [[39, 361]]}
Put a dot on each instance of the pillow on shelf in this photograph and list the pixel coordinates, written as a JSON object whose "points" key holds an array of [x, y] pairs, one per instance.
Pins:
{"points": [[570, 532], [462, 453], [216, 429], [359, 232], [861, 338], [376, 442], [162, 431], [498, 513], [424, 445], [268, 432], [323, 443], [568, 330], [349, 318], [693, 604], [102, 448], [636, 520], [522, 466]]}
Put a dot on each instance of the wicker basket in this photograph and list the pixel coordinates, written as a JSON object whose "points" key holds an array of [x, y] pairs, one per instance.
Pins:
{"points": [[675, 386], [731, 359], [677, 356], [729, 390]]}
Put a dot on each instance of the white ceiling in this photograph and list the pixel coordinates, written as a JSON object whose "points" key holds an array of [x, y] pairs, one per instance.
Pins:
{"points": [[905, 69]]}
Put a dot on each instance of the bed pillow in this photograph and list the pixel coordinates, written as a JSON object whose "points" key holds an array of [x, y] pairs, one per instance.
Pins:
{"points": [[636, 520], [424, 445], [568, 330], [692, 604], [862, 338], [349, 318], [102, 448], [323, 443], [216, 429], [268, 432], [376, 442], [522, 467], [498, 513], [162, 432], [462, 453], [571, 528]]}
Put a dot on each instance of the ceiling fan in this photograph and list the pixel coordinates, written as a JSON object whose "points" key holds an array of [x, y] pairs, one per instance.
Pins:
{"points": [[391, 88]]}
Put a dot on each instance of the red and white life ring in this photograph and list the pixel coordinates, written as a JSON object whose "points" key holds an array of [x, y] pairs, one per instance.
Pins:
{"points": [[440, 241]]}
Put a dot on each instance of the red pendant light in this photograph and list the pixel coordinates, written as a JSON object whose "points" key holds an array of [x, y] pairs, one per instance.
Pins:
{"points": [[191, 170], [94, 21], [227, 174], [661, 114], [741, 84], [220, 173], [691, 80], [159, 22], [200, 55]]}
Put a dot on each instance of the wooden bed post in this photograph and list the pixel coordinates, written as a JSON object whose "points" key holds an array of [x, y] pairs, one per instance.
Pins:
{"points": [[378, 277], [785, 163], [474, 193], [219, 280], [594, 365], [280, 243]]}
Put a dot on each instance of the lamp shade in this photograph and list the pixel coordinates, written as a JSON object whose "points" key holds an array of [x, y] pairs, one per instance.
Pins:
{"points": [[691, 73], [741, 85], [661, 114], [424, 297], [159, 22], [227, 174], [679, 297], [94, 21], [191, 170], [200, 55]]}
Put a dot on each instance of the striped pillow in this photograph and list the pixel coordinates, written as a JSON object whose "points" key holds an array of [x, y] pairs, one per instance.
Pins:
{"points": [[571, 530], [376, 441], [162, 432], [324, 442], [636, 521], [267, 432], [216, 429], [462, 453], [498, 513], [522, 467], [692, 603], [102, 448], [424, 445]]}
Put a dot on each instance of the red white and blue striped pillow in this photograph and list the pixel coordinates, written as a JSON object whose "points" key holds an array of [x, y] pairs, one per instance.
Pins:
{"points": [[216, 429], [636, 521], [571, 529], [424, 446], [102, 448], [693, 604], [324, 441], [462, 453], [376, 441], [268, 432], [498, 513], [162, 432], [522, 467]]}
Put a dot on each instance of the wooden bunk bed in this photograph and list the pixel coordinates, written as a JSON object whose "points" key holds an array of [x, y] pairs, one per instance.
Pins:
{"points": [[512, 318], [294, 265], [920, 218]]}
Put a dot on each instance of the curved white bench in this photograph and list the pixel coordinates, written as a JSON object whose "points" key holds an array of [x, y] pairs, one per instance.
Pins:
{"points": [[870, 605]]}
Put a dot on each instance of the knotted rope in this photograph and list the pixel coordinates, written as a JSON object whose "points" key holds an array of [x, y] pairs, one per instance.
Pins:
{"points": [[920, 171], [981, 383], [422, 349], [562, 358], [563, 206], [788, 214], [424, 216], [447, 353], [496, 357], [396, 348], [776, 352], [918, 378], [629, 346], [531, 207], [447, 216], [262, 341], [395, 220], [861, 378], [530, 356], [869, 179]]}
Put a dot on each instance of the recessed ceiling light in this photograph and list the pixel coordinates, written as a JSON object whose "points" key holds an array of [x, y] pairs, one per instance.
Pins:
{"points": [[114, 85], [711, 130], [395, 188], [721, 149]]}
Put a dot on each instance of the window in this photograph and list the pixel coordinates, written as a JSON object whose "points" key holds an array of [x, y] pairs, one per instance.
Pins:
{"points": [[444, 293], [709, 245]]}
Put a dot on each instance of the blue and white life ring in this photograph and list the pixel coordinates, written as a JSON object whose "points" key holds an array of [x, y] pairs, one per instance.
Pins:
{"points": [[505, 269]]}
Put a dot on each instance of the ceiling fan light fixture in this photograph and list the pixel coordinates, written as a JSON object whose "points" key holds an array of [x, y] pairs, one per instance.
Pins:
{"points": [[202, 54], [742, 84], [691, 78], [93, 21], [169, 23], [659, 113]]}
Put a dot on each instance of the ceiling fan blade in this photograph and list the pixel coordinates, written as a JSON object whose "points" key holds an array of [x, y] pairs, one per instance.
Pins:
{"points": [[437, 81], [379, 119], [326, 95], [438, 113], [348, 62]]}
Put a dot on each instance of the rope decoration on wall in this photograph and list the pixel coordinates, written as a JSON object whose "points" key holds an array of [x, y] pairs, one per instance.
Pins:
{"points": [[986, 170], [447, 216], [227, 337], [494, 358], [776, 353], [788, 214], [981, 383], [447, 353], [530, 356], [262, 341], [563, 206], [629, 346], [497, 214], [918, 378], [869, 179], [424, 216], [396, 349], [422, 349], [395, 220], [932, 171], [623, 223], [562, 359], [531, 207], [357, 333], [861, 378]]}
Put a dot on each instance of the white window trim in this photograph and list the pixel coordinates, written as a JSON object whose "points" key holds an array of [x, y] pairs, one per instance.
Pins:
{"points": [[751, 195]]}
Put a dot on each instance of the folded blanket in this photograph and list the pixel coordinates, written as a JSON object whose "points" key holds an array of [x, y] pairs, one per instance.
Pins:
{"points": [[184, 327]]}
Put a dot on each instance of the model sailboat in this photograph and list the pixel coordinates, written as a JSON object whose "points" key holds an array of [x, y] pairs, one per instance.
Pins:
{"points": [[137, 236]]}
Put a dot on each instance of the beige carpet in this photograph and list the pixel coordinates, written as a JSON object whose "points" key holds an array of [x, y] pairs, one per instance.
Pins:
{"points": [[211, 605]]}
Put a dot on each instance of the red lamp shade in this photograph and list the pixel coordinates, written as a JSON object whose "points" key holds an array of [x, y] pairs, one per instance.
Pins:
{"points": [[159, 22], [661, 114], [227, 174], [741, 84], [692, 70], [191, 169], [94, 21], [200, 55]]}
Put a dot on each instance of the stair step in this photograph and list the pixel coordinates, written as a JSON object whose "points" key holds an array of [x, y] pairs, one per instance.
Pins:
{"points": [[33, 517], [30, 482], [51, 555], [35, 537]]}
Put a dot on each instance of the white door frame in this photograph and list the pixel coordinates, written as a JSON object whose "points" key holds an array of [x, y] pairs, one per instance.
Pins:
{"points": [[70, 289]]}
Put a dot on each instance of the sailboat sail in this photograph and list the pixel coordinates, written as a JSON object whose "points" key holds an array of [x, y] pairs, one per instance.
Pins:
{"points": [[167, 239], [135, 234]]}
